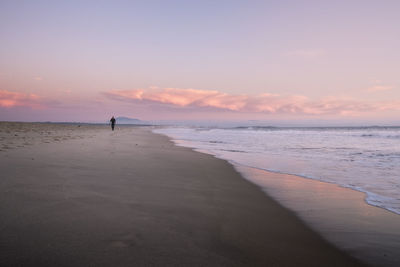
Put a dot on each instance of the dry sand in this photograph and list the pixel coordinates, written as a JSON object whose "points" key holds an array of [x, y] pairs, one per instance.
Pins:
{"points": [[132, 198], [22, 134]]}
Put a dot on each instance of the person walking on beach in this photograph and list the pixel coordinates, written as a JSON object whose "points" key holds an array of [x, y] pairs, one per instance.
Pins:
{"points": [[113, 120]]}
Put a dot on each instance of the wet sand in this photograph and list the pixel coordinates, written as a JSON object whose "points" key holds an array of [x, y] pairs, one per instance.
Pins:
{"points": [[339, 214], [132, 198]]}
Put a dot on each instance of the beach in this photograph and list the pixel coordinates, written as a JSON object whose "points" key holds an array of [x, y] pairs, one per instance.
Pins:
{"points": [[341, 181], [82, 195]]}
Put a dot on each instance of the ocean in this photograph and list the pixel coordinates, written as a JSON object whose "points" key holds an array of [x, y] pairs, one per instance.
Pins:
{"points": [[365, 159]]}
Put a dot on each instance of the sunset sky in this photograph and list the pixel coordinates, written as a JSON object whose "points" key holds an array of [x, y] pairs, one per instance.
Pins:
{"points": [[183, 60]]}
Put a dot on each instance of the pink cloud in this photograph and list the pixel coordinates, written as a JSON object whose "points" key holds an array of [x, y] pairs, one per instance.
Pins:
{"points": [[182, 97], [394, 105], [10, 99], [378, 88], [264, 103]]}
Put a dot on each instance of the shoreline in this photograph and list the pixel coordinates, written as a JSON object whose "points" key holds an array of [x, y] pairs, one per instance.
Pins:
{"points": [[362, 159], [344, 218], [133, 197], [339, 214]]}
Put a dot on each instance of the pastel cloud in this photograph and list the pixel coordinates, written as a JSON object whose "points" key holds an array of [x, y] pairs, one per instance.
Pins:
{"points": [[394, 105], [263, 103], [9, 99], [379, 88]]}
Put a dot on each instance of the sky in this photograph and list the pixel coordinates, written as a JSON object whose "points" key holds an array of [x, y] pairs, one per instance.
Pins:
{"points": [[294, 61]]}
